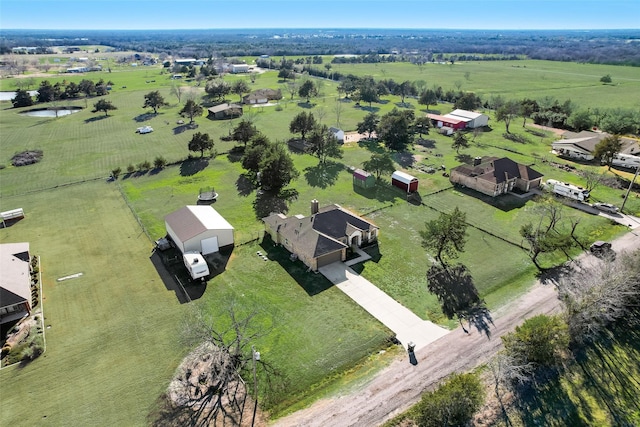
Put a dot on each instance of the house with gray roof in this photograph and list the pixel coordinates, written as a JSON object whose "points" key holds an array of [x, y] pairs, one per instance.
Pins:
{"points": [[581, 145], [15, 281], [494, 176], [323, 237]]}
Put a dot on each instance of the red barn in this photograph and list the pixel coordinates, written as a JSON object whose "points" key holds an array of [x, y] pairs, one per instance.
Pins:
{"points": [[454, 123], [404, 181]]}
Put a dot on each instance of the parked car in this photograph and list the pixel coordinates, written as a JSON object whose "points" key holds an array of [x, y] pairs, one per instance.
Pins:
{"points": [[606, 207], [144, 129]]}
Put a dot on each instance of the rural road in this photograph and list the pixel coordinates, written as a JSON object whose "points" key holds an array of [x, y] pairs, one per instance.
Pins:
{"points": [[400, 385]]}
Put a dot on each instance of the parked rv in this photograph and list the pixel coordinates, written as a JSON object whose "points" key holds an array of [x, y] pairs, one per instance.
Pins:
{"points": [[568, 190], [196, 265], [626, 161]]}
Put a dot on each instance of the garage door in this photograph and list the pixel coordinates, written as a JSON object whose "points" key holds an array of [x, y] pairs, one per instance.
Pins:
{"points": [[329, 258], [209, 245]]}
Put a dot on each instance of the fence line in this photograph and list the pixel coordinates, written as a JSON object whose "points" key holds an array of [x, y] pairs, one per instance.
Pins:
{"points": [[42, 189]]}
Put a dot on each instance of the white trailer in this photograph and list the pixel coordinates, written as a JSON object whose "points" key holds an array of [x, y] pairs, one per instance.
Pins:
{"points": [[626, 161], [568, 190], [196, 265]]}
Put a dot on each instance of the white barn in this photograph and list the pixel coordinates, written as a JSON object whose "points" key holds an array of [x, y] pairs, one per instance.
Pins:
{"points": [[199, 229], [473, 119]]}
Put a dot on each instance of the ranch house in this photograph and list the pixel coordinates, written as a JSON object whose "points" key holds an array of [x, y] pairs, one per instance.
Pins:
{"points": [[15, 281], [494, 176], [323, 237]]}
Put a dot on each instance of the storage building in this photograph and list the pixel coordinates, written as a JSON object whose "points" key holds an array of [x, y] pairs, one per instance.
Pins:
{"points": [[363, 179], [199, 229], [404, 181]]}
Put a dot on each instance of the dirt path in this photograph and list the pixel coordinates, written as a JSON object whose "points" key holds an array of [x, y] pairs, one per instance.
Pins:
{"points": [[400, 385]]}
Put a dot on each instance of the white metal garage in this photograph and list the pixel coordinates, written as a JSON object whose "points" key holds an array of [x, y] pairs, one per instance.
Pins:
{"points": [[199, 229]]}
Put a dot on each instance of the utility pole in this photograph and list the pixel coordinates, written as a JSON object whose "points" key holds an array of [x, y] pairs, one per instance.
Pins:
{"points": [[255, 356], [629, 189]]}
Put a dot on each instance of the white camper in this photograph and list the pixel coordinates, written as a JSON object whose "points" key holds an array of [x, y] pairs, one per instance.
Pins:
{"points": [[626, 161], [568, 190], [196, 265]]}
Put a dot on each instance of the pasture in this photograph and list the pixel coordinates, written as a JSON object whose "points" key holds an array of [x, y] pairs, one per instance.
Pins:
{"points": [[115, 330]]}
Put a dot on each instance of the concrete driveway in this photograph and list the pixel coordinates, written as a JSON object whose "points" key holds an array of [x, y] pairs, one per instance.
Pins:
{"points": [[403, 322]]}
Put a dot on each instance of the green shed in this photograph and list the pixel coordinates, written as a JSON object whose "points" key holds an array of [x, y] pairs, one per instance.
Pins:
{"points": [[363, 179]]}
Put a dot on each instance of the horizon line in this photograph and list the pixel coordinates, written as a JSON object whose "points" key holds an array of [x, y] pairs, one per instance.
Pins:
{"points": [[320, 28]]}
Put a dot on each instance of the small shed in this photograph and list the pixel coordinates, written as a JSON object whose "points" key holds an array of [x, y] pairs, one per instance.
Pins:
{"points": [[338, 133], [363, 179], [404, 181], [199, 228]]}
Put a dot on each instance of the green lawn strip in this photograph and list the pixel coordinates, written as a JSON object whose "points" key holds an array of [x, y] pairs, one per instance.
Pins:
{"points": [[317, 331], [112, 345]]}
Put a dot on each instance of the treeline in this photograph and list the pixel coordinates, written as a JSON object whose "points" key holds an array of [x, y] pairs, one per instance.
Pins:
{"points": [[60, 91], [596, 46]]}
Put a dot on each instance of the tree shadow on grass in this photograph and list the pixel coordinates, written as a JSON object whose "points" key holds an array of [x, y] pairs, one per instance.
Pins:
{"points": [[370, 109], [323, 175], [267, 202], [95, 119], [611, 370], [371, 144], [192, 166], [504, 202], [144, 117], [312, 283], [404, 159], [244, 185], [383, 192], [306, 105], [464, 158], [183, 128], [458, 295], [544, 401]]}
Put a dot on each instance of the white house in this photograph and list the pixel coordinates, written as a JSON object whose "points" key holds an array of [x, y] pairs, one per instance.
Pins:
{"points": [[338, 133], [473, 119], [199, 229]]}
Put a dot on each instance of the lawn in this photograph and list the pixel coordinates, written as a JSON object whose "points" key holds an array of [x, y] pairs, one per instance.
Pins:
{"points": [[114, 340], [318, 333]]}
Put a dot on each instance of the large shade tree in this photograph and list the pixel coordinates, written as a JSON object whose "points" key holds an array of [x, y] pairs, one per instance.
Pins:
{"points": [[607, 149], [302, 123], [379, 163], [396, 129], [277, 169], [191, 109], [369, 124], [324, 144], [154, 100], [200, 142], [104, 106], [244, 131], [446, 235], [308, 90]]}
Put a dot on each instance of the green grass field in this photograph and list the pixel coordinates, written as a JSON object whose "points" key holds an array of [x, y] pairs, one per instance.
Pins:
{"points": [[114, 331]]}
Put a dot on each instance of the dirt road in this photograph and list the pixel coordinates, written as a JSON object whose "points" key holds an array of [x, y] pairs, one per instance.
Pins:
{"points": [[400, 385]]}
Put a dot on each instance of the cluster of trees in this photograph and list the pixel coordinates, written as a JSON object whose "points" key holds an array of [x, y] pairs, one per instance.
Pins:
{"points": [[548, 111], [60, 91], [269, 164], [319, 141], [218, 88], [396, 129]]}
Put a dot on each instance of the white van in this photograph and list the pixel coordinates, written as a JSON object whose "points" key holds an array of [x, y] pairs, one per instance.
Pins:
{"points": [[196, 265]]}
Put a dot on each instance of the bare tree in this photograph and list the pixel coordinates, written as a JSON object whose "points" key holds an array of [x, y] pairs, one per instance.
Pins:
{"points": [[600, 293], [213, 382], [507, 372], [337, 109], [176, 90], [592, 179]]}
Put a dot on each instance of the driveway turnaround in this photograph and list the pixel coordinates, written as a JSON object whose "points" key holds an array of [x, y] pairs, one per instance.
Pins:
{"points": [[407, 326]]}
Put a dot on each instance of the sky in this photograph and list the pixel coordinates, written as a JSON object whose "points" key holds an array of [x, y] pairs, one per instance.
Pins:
{"points": [[401, 14]]}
